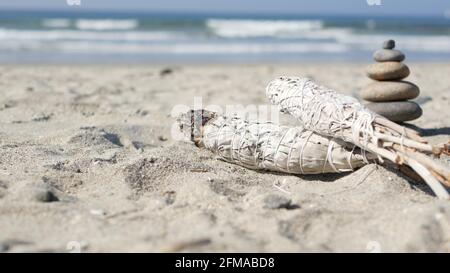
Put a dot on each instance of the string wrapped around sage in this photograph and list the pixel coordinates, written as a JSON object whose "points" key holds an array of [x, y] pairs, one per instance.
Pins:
{"points": [[269, 146]]}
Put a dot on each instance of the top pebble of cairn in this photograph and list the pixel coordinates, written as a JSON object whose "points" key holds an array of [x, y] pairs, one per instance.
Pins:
{"points": [[388, 53], [389, 44]]}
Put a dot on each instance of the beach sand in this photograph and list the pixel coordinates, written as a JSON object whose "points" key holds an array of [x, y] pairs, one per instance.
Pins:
{"points": [[87, 163]]}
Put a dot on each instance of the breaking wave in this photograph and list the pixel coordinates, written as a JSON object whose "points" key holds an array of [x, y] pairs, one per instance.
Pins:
{"points": [[231, 28], [91, 24]]}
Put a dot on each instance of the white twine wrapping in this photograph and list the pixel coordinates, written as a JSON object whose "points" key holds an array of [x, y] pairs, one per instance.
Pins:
{"points": [[322, 110], [268, 146]]}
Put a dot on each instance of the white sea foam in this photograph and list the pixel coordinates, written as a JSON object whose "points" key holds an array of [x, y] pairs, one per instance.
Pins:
{"points": [[180, 48], [315, 30], [92, 24], [279, 29], [231, 28], [106, 24], [234, 48], [56, 35], [177, 43]]}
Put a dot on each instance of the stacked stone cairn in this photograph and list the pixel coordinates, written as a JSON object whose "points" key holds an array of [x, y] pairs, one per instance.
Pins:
{"points": [[388, 95]]}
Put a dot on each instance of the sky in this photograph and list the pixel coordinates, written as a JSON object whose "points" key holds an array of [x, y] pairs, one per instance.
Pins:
{"points": [[338, 7]]}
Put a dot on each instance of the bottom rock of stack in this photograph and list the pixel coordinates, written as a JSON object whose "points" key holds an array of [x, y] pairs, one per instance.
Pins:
{"points": [[396, 111]]}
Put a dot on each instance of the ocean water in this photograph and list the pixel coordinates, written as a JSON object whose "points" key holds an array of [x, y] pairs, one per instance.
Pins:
{"points": [[64, 37]]}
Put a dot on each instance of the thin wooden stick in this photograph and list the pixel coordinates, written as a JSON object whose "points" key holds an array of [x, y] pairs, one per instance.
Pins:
{"points": [[440, 178], [435, 166], [400, 129], [406, 170], [405, 141], [432, 182], [383, 152]]}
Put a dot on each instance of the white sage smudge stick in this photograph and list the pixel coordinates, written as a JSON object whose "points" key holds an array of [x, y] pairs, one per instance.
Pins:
{"points": [[326, 112], [268, 146]]}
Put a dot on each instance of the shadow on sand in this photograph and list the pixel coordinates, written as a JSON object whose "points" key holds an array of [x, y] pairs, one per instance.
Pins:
{"points": [[429, 131]]}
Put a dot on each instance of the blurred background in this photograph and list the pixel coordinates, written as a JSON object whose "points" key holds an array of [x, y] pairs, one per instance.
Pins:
{"points": [[198, 31]]}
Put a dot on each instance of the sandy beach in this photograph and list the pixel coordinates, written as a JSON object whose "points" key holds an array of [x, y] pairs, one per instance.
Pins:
{"points": [[88, 163]]}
